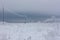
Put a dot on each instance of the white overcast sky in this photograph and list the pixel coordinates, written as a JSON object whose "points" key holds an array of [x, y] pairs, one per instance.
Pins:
{"points": [[52, 6]]}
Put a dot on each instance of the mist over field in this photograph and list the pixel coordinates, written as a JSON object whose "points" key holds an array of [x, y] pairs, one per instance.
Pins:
{"points": [[29, 10], [29, 19], [21, 17]]}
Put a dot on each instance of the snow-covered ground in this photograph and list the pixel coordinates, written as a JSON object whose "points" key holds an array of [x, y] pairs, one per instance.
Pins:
{"points": [[30, 31]]}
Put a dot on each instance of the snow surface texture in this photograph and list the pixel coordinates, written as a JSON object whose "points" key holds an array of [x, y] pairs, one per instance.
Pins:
{"points": [[30, 31]]}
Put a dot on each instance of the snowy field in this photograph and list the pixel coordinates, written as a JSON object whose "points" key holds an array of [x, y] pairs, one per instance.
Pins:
{"points": [[30, 31]]}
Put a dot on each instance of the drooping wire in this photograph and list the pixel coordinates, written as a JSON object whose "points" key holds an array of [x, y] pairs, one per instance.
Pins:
{"points": [[15, 13]]}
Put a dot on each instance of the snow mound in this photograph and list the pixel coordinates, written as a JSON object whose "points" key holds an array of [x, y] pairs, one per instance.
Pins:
{"points": [[30, 31], [53, 19]]}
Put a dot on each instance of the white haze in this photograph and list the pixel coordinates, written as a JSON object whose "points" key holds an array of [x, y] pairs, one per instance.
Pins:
{"points": [[50, 6]]}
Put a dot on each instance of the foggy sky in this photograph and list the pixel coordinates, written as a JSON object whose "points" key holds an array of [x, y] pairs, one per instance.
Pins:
{"points": [[50, 6]]}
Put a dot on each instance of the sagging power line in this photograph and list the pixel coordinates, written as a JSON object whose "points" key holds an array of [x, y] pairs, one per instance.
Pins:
{"points": [[15, 13]]}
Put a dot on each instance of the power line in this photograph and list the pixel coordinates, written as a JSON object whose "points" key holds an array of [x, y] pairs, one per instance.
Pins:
{"points": [[15, 13]]}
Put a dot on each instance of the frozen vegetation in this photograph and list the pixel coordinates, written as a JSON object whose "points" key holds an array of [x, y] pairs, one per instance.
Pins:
{"points": [[30, 31]]}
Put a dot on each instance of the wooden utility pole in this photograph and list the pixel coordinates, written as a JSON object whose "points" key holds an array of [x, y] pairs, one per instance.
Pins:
{"points": [[3, 11], [3, 15]]}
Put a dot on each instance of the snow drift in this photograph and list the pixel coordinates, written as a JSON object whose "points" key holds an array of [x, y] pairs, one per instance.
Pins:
{"points": [[30, 31]]}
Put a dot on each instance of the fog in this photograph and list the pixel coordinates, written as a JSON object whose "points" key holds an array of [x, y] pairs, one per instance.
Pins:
{"points": [[50, 6]]}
